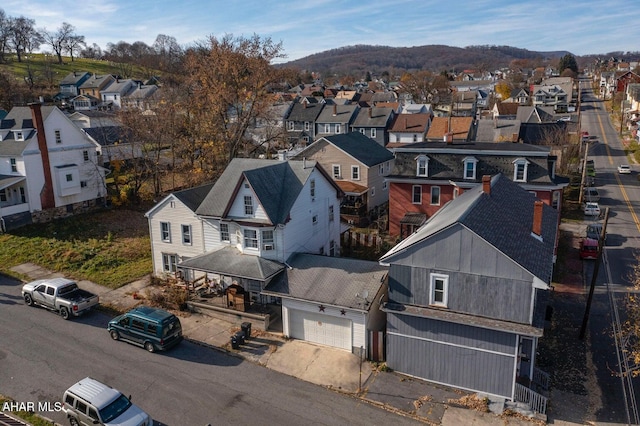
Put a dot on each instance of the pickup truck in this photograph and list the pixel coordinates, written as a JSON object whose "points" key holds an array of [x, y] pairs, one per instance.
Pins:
{"points": [[59, 294]]}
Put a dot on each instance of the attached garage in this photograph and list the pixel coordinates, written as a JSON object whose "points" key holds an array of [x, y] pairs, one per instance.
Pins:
{"points": [[319, 328]]}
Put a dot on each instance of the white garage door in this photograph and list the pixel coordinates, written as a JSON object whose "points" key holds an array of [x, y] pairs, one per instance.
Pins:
{"points": [[318, 328]]}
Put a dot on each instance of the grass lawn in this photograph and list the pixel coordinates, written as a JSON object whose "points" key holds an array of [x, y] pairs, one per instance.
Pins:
{"points": [[108, 247]]}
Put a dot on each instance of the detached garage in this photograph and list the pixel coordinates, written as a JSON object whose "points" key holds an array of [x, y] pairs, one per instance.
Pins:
{"points": [[330, 301]]}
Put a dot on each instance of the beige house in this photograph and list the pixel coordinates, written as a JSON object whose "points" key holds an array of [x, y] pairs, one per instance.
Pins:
{"points": [[359, 166]]}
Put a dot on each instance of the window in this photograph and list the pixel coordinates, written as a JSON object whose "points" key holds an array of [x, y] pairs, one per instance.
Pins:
{"points": [[306, 126], [373, 191], [338, 128], [415, 137], [381, 169], [186, 234], [520, 170], [397, 138], [327, 128], [355, 172], [3, 194], [439, 290], [251, 238], [421, 166], [85, 155], [267, 240], [169, 262], [314, 219], [152, 329], [290, 125], [23, 196], [69, 177], [362, 131], [312, 189], [417, 194], [331, 214], [332, 248], [14, 165], [435, 195], [165, 232], [93, 414], [19, 136], [83, 184], [385, 185], [224, 232], [336, 171], [137, 325], [248, 205], [373, 133], [470, 168], [58, 136], [50, 291], [81, 406]]}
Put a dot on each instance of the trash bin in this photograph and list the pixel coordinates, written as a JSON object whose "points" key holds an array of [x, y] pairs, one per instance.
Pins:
{"points": [[239, 337], [246, 328], [235, 343]]}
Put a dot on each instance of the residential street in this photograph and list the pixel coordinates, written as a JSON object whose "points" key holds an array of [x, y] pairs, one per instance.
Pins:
{"points": [[190, 384]]}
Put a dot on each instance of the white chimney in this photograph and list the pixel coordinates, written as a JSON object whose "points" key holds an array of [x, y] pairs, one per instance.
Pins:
{"points": [[282, 155]]}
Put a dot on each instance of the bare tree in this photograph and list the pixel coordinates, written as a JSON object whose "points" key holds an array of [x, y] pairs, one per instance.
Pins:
{"points": [[91, 52], [5, 32], [23, 36], [74, 43], [58, 39], [168, 52]]}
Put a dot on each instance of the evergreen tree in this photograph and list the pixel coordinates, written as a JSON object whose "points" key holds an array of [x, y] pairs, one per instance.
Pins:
{"points": [[568, 61]]}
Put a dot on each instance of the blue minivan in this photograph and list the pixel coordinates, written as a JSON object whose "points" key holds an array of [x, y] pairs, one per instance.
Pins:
{"points": [[152, 328]]}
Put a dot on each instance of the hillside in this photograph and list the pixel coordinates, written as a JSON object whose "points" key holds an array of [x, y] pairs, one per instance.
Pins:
{"points": [[357, 60]]}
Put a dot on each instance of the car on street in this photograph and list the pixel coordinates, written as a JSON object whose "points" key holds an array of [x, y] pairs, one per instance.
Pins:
{"points": [[588, 248], [624, 169], [594, 230], [60, 295], [591, 209], [152, 328], [591, 194]]}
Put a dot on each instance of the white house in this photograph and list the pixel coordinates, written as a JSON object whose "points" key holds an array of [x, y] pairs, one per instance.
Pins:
{"points": [[48, 167], [113, 94]]}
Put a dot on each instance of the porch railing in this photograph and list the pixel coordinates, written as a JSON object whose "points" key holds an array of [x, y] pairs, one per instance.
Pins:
{"points": [[536, 402], [541, 378]]}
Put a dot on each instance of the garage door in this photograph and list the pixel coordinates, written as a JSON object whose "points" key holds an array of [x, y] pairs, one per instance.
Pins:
{"points": [[318, 328]]}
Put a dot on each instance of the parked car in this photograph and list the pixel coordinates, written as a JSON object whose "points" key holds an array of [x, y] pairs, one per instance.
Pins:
{"points": [[589, 248], [594, 230], [152, 328], [624, 169], [90, 402], [591, 194], [60, 295], [591, 209]]}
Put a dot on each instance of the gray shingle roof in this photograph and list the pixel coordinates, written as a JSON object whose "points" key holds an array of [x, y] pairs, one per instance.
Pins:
{"points": [[231, 262], [330, 280], [362, 148], [108, 135], [192, 197], [380, 117], [276, 184], [19, 118], [504, 219], [343, 114], [304, 112]]}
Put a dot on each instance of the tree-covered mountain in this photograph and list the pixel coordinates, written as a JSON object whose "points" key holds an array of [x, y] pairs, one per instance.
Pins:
{"points": [[357, 60]]}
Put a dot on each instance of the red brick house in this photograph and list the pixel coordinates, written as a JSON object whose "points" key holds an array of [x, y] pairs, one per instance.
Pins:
{"points": [[428, 175]]}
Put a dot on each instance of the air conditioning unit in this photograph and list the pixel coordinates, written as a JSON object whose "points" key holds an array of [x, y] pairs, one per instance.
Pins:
{"points": [[267, 247]]}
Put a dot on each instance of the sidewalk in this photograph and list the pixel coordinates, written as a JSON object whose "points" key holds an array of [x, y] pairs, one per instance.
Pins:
{"points": [[328, 367]]}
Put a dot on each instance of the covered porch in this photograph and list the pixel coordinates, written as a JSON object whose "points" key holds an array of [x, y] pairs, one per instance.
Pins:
{"points": [[227, 284], [14, 206], [354, 206]]}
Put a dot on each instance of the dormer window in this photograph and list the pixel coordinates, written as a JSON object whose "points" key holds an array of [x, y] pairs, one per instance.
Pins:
{"points": [[422, 166], [470, 167], [19, 135], [520, 167]]}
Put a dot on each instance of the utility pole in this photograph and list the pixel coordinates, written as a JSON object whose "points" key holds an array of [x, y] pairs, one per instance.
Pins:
{"points": [[596, 268]]}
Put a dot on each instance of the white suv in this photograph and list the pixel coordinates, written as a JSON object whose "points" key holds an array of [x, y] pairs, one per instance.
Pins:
{"points": [[90, 402]]}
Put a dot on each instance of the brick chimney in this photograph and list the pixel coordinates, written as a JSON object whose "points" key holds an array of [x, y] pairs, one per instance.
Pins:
{"points": [[46, 195], [486, 184], [537, 218]]}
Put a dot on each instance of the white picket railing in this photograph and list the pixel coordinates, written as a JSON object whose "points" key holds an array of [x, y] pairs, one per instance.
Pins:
{"points": [[537, 402], [541, 378]]}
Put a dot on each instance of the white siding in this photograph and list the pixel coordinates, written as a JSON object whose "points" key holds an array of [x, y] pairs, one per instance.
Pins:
{"points": [[293, 310], [237, 207], [174, 212]]}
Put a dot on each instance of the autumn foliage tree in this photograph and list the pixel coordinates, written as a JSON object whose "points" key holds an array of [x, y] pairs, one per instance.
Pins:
{"points": [[630, 328], [228, 81], [503, 89]]}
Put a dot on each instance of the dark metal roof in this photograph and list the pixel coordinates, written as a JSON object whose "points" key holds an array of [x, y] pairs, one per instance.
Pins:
{"points": [[108, 135], [333, 281], [231, 262], [503, 218], [304, 112], [192, 197]]}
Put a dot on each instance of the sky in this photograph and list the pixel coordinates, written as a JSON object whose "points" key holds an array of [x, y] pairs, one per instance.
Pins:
{"points": [[307, 27]]}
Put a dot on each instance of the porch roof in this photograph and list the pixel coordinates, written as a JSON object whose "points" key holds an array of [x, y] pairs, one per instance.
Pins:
{"points": [[350, 188], [229, 261], [6, 180], [459, 318]]}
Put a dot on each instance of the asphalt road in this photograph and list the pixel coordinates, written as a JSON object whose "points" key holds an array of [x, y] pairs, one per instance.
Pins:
{"points": [[41, 355]]}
